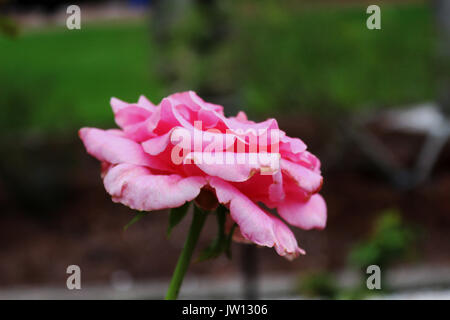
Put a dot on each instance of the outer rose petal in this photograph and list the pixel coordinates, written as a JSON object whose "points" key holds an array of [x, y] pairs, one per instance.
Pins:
{"points": [[136, 120], [255, 224], [194, 102], [145, 103], [140, 131], [306, 215], [286, 244], [112, 148], [291, 145], [131, 116], [306, 159], [241, 116], [117, 104], [137, 188], [308, 180]]}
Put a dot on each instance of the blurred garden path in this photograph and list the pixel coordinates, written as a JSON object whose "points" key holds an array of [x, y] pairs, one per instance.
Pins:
{"points": [[419, 282]]}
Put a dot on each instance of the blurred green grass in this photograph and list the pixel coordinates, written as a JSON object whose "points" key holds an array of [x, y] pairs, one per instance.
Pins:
{"points": [[58, 79], [323, 58], [276, 59]]}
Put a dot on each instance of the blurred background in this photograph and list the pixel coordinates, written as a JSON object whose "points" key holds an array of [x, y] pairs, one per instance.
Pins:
{"points": [[372, 104]]}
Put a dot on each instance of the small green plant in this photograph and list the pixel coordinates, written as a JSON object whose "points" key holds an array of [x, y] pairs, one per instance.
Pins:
{"points": [[390, 241], [318, 284]]}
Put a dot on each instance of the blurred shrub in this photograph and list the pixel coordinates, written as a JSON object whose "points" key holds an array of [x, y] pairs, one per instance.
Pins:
{"points": [[318, 284], [285, 56], [319, 58], [390, 241]]}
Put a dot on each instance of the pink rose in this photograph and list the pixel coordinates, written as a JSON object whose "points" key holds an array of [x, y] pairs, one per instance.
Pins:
{"points": [[167, 154]]}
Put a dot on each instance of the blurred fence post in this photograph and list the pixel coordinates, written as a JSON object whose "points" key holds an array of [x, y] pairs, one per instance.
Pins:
{"points": [[249, 267]]}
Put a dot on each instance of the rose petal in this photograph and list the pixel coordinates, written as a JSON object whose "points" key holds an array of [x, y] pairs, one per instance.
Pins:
{"points": [[255, 224], [305, 178], [112, 148], [117, 104], [145, 103], [131, 115], [311, 214], [139, 189], [191, 100]]}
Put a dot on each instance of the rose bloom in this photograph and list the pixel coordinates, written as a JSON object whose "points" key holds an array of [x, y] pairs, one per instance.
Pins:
{"points": [[141, 167]]}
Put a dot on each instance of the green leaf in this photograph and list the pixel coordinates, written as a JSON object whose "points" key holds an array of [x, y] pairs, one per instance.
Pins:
{"points": [[176, 215], [221, 243], [135, 219]]}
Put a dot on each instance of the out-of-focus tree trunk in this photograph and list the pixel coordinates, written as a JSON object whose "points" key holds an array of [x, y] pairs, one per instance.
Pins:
{"points": [[249, 268], [187, 33], [165, 15]]}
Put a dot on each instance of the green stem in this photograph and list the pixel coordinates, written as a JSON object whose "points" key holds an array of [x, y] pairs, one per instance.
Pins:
{"points": [[185, 256]]}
